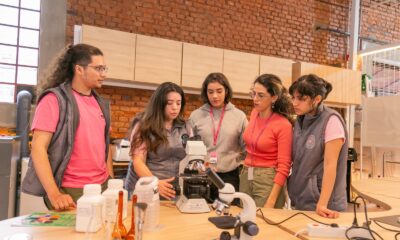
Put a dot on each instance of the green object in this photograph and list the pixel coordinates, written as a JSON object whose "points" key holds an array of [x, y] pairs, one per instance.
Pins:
{"points": [[364, 79], [49, 219]]}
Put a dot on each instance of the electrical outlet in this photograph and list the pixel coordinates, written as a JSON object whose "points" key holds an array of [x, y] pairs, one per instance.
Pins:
{"points": [[320, 230]]}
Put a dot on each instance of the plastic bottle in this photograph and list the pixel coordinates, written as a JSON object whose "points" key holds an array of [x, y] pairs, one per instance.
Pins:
{"points": [[111, 199], [146, 190], [90, 209]]}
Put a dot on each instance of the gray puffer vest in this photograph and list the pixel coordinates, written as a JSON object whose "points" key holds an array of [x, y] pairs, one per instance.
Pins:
{"points": [[62, 141], [308, 149]]}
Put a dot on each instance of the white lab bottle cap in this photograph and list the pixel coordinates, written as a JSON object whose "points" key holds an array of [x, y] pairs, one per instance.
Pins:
{"points": [[92, 189], [115, 183]]}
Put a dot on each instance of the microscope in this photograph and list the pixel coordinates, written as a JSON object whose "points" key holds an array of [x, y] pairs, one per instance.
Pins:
{"points": [[194, 185], [244, 223]]}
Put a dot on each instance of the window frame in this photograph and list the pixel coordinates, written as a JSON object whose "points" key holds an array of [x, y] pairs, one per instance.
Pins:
{"points": [[18, 47]]}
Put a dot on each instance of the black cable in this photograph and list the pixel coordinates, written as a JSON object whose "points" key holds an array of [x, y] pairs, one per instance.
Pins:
{"points": [[387, 229], [395, 236], [366, 217], [371, 232], [286, 219], [367, 222], [355, 221], [365, 209]]}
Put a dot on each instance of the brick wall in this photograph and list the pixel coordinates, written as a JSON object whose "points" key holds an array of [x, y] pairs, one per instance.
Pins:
{"points": [[382, 22], [282, 28], [127, 102]]}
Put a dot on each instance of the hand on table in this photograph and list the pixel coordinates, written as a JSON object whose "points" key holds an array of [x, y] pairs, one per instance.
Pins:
{"points": [[61, 201], [323, 211]]}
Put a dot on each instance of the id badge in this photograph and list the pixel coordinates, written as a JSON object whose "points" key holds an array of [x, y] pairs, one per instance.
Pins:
{"points": [[250, 173], [213, 158]]}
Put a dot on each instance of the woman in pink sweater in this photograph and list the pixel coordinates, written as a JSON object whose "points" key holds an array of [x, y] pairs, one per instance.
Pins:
{"points": [[268, 139]]}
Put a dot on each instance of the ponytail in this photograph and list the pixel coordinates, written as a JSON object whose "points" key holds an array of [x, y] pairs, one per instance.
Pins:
{"points": [[62, 69], [311, 85]]}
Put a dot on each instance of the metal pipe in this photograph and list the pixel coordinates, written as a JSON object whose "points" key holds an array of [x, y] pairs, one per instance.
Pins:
{"points": [[346, 34], [24, 99]]}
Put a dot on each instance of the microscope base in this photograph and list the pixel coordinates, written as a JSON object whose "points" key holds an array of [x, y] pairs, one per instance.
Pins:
{"points": [[194, 205]]}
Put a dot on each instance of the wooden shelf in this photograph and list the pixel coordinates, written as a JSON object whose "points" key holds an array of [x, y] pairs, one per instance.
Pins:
{"points": [[120, 164]]}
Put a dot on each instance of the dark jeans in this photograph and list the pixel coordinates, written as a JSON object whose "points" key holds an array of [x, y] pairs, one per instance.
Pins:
{"points": [[231, 177]]}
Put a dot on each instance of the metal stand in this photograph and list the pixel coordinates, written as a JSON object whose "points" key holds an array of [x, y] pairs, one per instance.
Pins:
{"points": [[352, 157]]}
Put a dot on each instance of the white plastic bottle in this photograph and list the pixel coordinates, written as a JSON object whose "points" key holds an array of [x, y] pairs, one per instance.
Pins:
{"points": [[90, 209], [111, 199], [146, 190]]}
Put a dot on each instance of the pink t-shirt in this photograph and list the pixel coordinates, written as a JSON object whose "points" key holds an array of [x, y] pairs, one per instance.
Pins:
{"points": [[334, 129], [87, 163], [142, 149]]}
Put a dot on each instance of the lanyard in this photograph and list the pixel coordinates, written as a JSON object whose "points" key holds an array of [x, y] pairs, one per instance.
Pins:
{"points": [[216, 132], [254, 142]]}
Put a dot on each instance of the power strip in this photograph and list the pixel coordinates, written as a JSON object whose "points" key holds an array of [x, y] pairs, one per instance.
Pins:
{"points": [[360, 233], [320, 230]]}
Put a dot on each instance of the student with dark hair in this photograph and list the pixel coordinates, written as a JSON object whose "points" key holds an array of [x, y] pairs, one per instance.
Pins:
{"points": [[156, 141], [268, 139], [220, 125], [319, 151], [70, 130]]}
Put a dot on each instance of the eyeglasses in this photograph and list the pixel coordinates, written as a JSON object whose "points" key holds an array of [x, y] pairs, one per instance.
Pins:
{"points": [[99, 68], [254, 94]]}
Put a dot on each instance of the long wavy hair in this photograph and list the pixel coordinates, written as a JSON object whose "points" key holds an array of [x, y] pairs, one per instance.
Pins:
{"points": [[151, 130], [63, 67], [283, 105]]}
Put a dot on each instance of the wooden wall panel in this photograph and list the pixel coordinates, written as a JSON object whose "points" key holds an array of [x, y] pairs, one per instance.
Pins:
{"points": [[241, 69], [353, 86], [158, 60], [198, 62], [278, 66], [118, 49]]}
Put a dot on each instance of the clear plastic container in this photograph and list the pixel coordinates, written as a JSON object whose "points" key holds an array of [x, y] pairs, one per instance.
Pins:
{"points": [[90, 209], [146, 190], [111, 199]]}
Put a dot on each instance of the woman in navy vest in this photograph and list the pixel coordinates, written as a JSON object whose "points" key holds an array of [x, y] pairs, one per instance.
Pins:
{"points": [[319, 151]]}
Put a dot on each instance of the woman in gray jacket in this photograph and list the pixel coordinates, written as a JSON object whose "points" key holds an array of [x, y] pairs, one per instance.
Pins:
{"points": [[220, 125], [156, 140]]}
